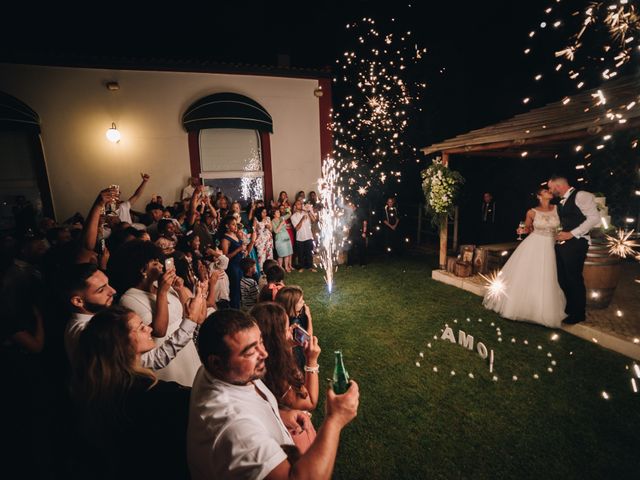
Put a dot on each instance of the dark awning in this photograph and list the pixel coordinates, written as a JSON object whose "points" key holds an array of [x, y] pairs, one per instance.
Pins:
{"points": [[16, 115], [227, 110]]}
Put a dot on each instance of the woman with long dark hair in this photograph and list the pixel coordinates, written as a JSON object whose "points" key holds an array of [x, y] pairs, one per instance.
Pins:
{"points": [[291, 298], [120, 402], [264, 236], [235, 250], [294, 388]]}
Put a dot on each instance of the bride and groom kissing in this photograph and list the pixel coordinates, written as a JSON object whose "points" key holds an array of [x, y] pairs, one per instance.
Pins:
{"points": [[543, 280]]}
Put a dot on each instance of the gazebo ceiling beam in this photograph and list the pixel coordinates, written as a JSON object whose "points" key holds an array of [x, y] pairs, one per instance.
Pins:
{"points": [[523, 143]]}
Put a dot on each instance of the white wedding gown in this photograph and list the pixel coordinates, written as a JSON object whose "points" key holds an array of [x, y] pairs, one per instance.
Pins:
{"points": [[531, 291]]}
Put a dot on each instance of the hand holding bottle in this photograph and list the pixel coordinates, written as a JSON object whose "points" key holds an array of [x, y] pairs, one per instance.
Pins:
{"points": [[343, 408]]}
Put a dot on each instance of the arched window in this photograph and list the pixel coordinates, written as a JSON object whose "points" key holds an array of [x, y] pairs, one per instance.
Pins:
{"points": [[229, 145], [24, 187]]}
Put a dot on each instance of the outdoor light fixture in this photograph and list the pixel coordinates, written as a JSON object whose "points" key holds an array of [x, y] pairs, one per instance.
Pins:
{"points": [[113, 134], [318, 92]]}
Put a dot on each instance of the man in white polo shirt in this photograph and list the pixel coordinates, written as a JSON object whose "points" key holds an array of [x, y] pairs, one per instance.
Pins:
{"points": [[235, 428], [303, 216]]}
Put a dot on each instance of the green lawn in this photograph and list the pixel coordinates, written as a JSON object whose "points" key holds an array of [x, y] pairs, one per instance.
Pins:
{"points": [[415, 423]]}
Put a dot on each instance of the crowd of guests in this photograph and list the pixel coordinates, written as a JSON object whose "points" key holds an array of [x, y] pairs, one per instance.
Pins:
{"points": [[166, 343]]}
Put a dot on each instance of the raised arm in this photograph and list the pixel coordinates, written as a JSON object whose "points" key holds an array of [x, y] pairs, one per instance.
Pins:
{"points": [[307, 311], [298, 225], [160, 320], [136, 195], [162, 355], [318, 462], [193, 205], [313, 215], [311, 383], [90, 230]]}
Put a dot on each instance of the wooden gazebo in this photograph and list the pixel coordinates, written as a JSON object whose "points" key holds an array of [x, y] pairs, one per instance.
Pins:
{"points": [[548, 131]]}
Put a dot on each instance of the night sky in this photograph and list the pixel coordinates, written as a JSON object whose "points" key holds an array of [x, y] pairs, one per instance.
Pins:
{"points": [[479, 44], [475, 68]]}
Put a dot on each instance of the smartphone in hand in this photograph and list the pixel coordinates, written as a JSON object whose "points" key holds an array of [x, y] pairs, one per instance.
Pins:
{"points": [[300, 335], [169, 264]]}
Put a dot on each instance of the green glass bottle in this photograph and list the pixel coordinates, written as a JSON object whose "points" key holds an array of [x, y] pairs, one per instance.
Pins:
{"points": [[340, 375]]}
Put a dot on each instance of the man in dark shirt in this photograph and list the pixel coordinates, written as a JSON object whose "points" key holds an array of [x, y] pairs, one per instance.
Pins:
{"points": [[487, 232], [358, 236]]}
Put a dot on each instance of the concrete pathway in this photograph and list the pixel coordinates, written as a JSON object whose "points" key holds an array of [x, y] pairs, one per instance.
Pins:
{"points": [[616, 327]]}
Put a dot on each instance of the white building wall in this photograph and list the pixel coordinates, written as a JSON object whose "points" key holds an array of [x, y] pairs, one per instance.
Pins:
{"points": [[76, 109]]}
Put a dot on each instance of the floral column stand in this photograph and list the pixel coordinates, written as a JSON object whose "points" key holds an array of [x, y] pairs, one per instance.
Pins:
{"points": [[441, 187]]}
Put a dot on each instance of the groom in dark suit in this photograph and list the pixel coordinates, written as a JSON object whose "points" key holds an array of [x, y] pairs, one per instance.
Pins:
{"points": [[578, 215]]}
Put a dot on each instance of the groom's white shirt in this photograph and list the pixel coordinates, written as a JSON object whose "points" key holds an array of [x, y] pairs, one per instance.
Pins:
{"points": [[586, 202]]}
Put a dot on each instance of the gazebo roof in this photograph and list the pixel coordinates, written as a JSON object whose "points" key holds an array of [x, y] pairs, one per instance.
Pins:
{"points": [[543, 130]]}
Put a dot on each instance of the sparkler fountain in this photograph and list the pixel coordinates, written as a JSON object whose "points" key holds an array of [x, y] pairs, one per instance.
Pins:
{"points": [[330, 220]]}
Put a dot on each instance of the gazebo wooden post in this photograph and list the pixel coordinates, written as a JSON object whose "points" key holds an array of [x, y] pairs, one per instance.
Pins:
{"points": [[444, 228], [456, 218], [443, 242]]}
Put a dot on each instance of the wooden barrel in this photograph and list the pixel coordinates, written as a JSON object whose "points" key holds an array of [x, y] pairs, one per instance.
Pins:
{"points": [[466, 253], [601, 275], [481, 260], [463, 269], [451, 264]]}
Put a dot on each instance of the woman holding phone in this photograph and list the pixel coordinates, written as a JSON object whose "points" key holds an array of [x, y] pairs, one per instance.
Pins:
{"points": [[158, 297], [294, 388], [292, 300]]}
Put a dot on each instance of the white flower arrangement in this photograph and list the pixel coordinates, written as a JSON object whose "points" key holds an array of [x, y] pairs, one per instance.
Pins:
{"points": [[441, 187]]}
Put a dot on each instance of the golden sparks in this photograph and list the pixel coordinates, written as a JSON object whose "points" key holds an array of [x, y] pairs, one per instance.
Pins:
{"points": [[621, 245]]}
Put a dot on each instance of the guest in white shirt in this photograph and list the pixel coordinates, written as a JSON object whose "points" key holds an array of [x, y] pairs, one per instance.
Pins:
{"points": [[88, 292], [187, 192], [301, 220], [235, 428], [124, 208], [159, 298]]}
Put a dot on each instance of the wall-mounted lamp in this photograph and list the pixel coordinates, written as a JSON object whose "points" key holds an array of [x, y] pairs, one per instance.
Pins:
{"points": [[318, 92], [113, 134]]}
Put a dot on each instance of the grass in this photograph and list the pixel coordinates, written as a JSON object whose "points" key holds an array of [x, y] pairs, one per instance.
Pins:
{"points": [[415, 423]]}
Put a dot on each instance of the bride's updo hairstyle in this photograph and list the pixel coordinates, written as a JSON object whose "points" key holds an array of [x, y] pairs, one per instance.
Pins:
{"points": [[537, 193]]}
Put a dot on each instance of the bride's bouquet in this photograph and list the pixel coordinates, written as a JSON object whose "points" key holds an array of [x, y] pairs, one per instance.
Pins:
{"points": [[441, 187]]}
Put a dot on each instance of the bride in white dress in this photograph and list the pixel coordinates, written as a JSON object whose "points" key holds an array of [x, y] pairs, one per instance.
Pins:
{"points": [[531, 291]]}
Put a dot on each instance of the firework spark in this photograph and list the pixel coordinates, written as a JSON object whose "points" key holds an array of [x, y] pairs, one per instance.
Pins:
{"points": [[603, 42], [621, 245], [370, 121], [496, 286], [330, 215]]}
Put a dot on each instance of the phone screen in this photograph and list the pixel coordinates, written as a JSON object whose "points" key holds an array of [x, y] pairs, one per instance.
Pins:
{"points": [[300, 335], [169, 264]]}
